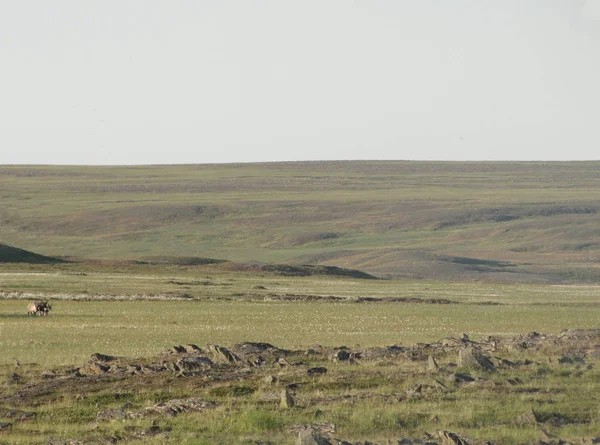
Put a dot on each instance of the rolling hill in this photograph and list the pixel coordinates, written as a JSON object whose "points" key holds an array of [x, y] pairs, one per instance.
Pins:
{"points": [[495, 221], [9, 254]]}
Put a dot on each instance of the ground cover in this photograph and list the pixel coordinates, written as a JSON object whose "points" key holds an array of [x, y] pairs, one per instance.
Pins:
{"points": [[513, 222]]}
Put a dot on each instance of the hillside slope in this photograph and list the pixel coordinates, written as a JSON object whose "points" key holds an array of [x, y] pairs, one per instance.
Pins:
{"points": [[521, 222], [9, 254]]}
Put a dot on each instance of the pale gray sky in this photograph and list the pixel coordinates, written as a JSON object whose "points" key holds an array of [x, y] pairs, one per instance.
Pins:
{"points": [[148, 81]]}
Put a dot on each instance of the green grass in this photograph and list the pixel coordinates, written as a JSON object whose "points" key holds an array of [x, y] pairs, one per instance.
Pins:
{"points": [[137, 310], [129, 311], [489, 237], [390, 218]]}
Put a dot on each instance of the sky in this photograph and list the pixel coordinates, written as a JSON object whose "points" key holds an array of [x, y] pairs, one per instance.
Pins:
{"points": [[199, 81]]}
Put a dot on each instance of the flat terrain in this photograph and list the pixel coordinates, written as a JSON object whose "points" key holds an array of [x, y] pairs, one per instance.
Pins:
{"points": [[53, 384], [513, 222], [137, 310]]}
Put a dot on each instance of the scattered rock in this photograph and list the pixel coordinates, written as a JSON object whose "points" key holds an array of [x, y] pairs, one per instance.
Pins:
{"points": [[472, 358], [176, 406], [440, 386], [49, 374], [319, 370], [102, 358], [528, 418], [501, 362], [220, 354], [171, 408], [152, 431], [458, 377], [406, 441], [194, 363], [432, 365], [325, 429], [287, 401], [593, 353], [414, 392], [5, 426], [282, 362], [341, 355], [91, 369], [191, 348], [311, 437], [113, 414], [175, 350], [252, 348], [449, 438], [270, 379], [16, 415], [258, 287], [53, 441]]}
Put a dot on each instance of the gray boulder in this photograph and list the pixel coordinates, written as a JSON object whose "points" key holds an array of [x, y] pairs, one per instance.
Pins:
{"points": [[472, 358], [311, 437]]}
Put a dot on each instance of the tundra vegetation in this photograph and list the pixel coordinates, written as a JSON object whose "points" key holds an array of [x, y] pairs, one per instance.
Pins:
{"points": [[240, 304]]}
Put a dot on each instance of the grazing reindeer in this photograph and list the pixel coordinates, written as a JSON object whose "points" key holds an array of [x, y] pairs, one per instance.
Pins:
{"points": [[39, 307]]}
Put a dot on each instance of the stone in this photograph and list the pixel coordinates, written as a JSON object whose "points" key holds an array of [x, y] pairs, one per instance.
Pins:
{"points": [[472, 358], [432, 365], [53, 441], [528, 418], [414, 392], [176, 406], [102, 358], [195, 363], [449, 438], [311, 437], [458, 377], [440, 386], [340, 355], [113, 414], [190, 348], [17, 415], [91, 369], [319, 370], [282, 362], [593, 353], [287, 401], [270, 379], [221, 355]]}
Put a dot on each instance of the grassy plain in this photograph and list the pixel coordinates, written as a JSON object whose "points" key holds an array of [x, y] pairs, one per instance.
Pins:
{"points": [[138, 311], [516, 222]]}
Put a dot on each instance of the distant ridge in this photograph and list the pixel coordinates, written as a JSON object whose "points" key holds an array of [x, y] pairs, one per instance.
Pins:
{"points": [[9, 254], [303, 270]]}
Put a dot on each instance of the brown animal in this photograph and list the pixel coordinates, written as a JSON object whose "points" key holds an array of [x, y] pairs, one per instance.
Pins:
{"points": [[39, 308]]}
